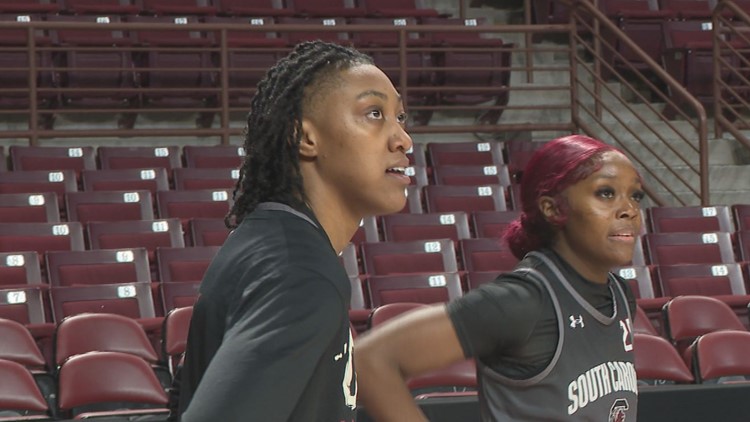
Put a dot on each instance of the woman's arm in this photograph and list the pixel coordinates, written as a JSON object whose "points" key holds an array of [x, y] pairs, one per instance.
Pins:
{"points": [[404, 347]]}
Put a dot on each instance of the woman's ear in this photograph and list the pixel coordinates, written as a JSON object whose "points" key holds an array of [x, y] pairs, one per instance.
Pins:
{"points": [[548, 207], [308, 144]]}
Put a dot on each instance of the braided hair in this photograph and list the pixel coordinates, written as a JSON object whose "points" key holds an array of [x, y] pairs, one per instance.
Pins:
{"points": [[270, 170]]}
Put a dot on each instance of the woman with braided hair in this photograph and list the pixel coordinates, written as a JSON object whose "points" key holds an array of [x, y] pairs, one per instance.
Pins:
{"points": [[552, 339], [270, 337]]}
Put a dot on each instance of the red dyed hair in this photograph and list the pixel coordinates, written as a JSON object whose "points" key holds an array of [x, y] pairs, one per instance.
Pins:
{"points": [[552, 168]]}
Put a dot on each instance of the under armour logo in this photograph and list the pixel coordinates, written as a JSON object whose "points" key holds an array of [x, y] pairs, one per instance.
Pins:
{"points": [[576, 321]]}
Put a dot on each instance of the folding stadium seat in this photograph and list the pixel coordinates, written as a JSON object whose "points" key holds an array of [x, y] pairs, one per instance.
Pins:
{"points": [[207, 231], [471, 175], [475, 279], [188, 204], [109, 206], [83, 333], [150, 179], [175, 334], [407, 227], [688, 317], [454, 377], [205, 178], [250, 54], [688, 57], [723, 281], [23, 304], [417, 156], [101, 266], [419, 256], [657, 362], [642, 323], [445, 198], [253, 8], [349, 260], [741, 213], [111, 158], [646, 290], [329, 8], [399, 9], [179, 294], [359, 310], [721, 357], [105, 7], [133, 300], [486, 255], [743, 245], [29, 208], [690, 219], [642, 21], [368, 231], [19, 346], [689, 248], [689, 9], [296, 37], [20, 397], [25, 6], [19, 269], [52, 158], [550, 12], [177, 67], [41, 237], [136, 234], [37, 181], [86, 385], [184, 264], [469, 61], [414, 200], [418, 175], [96, 59], [427, 288], [178, 7], [492, 224], [465, 153], [14, 80], [214, 156]]}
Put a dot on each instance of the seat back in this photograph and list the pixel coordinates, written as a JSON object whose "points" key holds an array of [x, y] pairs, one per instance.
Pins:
{"points": [[29, 208], [721, 357], [184, 264], [690, 219], [19, 391], [408, 227], [87, 379], [420, 256], [132, 300], [443, 198], [19, 346], [687, 317], [150, 179], [41, 237], [88, 332], [20, 269], [415, 288], [109, 206], [657, 362], [689, 248], [486, 255], [102, 266]]}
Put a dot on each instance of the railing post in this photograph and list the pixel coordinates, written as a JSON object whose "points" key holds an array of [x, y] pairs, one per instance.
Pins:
{"points": [[718, 102], [33, 106], [528, 41], [224, 88], [402, 77], [573, 69]]}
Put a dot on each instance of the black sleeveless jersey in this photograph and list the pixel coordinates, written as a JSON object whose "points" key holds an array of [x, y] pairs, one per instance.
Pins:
{"points": [[590, 374]]}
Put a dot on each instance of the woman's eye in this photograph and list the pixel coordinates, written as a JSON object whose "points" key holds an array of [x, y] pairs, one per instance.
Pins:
{"points": [[402, 117], [638, 196], [605, 193], [375, 114]]}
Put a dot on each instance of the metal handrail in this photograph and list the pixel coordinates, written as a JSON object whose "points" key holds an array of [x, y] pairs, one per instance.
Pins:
{"points": [[587, 17], [730, 23]]}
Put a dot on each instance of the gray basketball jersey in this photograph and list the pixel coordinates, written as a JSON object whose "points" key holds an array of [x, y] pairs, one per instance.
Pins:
{"points": [[591, 376]]}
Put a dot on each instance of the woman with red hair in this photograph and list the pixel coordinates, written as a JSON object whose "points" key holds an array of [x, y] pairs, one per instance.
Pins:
{"points": [[552, 339]]}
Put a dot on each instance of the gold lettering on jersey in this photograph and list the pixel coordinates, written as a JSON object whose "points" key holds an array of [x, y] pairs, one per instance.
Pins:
{"points": [[599, 382]]}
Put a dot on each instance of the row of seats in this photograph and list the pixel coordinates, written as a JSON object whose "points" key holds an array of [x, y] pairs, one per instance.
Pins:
{"points": [[326, 8], [110, 68], [698, 329]]}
